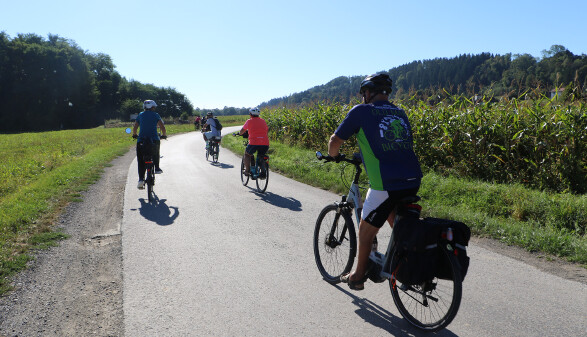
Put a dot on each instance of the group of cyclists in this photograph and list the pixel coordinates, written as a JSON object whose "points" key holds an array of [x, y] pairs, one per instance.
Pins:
{"points": [[385, 140]]}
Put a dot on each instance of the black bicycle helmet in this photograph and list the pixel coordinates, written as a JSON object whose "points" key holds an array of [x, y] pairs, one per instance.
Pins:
{"points": [[377, 83]]}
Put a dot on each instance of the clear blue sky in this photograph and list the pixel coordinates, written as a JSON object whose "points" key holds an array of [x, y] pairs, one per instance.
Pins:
{"points": [[242, 53]]}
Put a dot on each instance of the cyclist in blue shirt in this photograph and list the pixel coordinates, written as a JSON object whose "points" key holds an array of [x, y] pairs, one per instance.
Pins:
{"points": [[148, 121], [385, 139]]}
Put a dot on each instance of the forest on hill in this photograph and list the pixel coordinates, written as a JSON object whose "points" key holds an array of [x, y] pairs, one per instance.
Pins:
{"points": [[52, 84], [482, 74]]}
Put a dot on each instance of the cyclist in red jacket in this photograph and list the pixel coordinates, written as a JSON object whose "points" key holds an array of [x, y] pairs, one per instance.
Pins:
{"points": [[258, 139]]}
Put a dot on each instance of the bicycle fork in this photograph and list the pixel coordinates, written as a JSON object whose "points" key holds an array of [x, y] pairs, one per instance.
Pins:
{"points": [[332, 241]]}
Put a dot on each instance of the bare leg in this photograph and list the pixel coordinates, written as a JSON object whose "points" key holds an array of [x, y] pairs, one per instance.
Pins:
{"points": [[247, 160], [367, 233]]}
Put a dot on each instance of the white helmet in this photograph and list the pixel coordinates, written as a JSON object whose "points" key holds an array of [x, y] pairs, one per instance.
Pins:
{"points": [[148, 104], [254, 111]]}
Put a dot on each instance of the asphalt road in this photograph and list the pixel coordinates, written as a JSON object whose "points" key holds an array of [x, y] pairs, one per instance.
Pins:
{"points": [[213, 257]]}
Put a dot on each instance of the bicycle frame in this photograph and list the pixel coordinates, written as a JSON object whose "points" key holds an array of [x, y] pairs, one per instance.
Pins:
{"points": [[357, 205], [354, 201], [355, 196]]}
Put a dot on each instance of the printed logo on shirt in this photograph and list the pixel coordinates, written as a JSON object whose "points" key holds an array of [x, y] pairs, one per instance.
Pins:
{"points": [[394, 129]]}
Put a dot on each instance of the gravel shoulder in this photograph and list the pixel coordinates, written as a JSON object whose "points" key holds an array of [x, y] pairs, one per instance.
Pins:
{"points": [[75, 289]]}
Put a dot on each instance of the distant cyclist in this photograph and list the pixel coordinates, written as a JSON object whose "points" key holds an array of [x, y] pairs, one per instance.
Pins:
{"points": [[148, 121], [210, 127], [385, 139], [258, 139], [198, 123]]}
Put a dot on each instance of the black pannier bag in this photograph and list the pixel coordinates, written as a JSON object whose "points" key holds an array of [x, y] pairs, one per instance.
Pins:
{"points": [[461, 236], [418, 252], [416, 260], [147, 149]]}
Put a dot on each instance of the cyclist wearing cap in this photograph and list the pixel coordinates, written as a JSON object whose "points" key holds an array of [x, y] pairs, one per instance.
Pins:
{"points": [[210, 126], [258, 139], [385, 139], [148, 121]]}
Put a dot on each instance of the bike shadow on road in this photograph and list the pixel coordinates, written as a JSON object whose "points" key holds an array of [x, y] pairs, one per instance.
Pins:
{"points": [[382, 318], [222, 165], [158, 211], [276, 200]]}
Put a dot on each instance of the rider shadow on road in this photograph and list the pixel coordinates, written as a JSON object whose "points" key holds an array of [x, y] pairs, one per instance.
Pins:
{"points": [[279, 201], [381, 318], [158, 212]]}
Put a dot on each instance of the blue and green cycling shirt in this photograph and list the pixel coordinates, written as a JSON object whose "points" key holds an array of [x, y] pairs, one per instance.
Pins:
{"points": [[385, 139]]}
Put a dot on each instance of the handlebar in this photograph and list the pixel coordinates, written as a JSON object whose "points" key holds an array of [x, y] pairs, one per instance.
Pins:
{"points": [[136, 136], [356, 160]]}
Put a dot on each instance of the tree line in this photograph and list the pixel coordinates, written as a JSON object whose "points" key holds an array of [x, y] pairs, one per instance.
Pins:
{"points": [[53, 84], [226, 111], [482, 74]]}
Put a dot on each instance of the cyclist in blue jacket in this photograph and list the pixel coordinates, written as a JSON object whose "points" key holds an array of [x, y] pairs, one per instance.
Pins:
{"points": [[385, 139], [148, 121]]}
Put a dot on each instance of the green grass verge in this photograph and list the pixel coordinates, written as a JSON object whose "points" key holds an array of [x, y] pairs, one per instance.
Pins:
{"points": [[537, 221], [41, 173], [233, 120]]}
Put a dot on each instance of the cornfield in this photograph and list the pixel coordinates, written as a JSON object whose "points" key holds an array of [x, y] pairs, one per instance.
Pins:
{"points": [[539, 143]]}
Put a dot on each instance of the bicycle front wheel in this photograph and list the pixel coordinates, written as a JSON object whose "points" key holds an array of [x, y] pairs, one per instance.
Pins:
{"points": [[432, 305], [244, 177], [263, 178], [335, 243]]}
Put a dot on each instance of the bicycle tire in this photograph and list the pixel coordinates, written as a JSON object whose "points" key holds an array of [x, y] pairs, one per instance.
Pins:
{"points": [[150, 183], [216, 153], [244, 178], [334, 254], [263, 182], [432, 305]]}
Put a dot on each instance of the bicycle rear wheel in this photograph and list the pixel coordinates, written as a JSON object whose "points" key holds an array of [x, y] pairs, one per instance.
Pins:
{"points": [[432, 305], [263, 182], [150, 183], [335, 243], [244, 177], [216, 150]]}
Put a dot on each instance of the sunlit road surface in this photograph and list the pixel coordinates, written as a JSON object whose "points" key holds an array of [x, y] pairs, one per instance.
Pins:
{"points": [[215, 258]]}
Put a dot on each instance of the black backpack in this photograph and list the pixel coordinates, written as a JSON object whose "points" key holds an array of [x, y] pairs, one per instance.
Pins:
{"points": [[218, 125]]}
